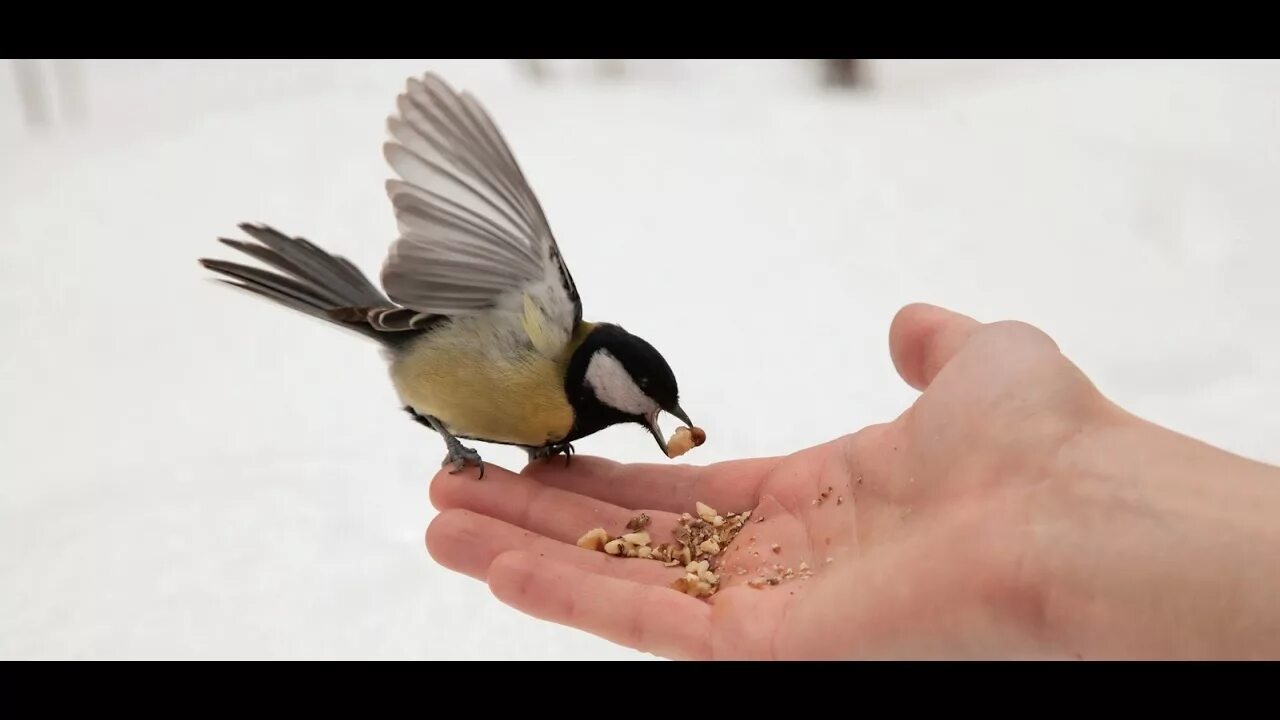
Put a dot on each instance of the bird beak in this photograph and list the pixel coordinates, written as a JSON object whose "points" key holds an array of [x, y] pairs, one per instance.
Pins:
{"points": [[651, 422], [675, 410], [655, 430]]}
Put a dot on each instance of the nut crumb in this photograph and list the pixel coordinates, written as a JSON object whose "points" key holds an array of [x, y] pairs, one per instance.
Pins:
{"points": [[699, 542], [776, 548], [638, 523], [830, 560], [839, 499], [822, 496], [691, 585], [594, 539]]}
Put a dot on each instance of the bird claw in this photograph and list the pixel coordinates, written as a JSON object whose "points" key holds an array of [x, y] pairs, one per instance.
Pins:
{"points": [[460, 456], [553, 450]]}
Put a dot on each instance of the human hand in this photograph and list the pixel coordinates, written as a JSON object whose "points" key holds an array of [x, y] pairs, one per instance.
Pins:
{"points": [[976, 524]]}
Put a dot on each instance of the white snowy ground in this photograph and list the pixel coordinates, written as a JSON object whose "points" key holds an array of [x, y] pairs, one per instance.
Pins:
{"points": [[190, 473]]}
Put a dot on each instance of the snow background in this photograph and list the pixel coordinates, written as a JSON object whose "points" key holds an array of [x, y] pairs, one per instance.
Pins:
{"points": [[189, 473]]}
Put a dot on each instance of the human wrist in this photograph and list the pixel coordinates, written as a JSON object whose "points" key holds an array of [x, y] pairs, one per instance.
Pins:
{"points": [[1157, 545]]}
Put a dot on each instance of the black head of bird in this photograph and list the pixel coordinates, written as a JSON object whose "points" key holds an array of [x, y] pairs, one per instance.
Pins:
{"points": [[481, 321]]}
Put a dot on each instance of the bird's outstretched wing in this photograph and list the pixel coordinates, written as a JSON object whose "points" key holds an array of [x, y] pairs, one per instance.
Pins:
{"points": [[473, 237]]}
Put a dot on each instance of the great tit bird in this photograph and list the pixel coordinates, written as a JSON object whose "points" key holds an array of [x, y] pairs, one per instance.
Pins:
{"points": [[481, 323]]}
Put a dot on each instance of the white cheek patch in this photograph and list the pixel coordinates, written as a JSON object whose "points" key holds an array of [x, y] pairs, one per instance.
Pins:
{"points": [[613, 385]]}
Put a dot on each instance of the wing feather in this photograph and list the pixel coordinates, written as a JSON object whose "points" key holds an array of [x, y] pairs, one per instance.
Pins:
{"points": [[473, 237]]}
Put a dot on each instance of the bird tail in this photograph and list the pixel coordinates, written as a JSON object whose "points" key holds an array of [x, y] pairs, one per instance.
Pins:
{"points": [[316, 283]]}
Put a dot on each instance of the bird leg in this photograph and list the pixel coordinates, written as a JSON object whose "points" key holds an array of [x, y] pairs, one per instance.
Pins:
{"points": [[547, 451], [459, 454]]}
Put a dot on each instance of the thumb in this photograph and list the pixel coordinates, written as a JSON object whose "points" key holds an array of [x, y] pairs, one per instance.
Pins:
{"points": [[923, 339]]}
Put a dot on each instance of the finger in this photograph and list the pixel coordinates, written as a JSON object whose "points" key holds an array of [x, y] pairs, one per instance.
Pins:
{"points": [[468, 543], [549, 511], [732, 486], [656, 620], [924, 338]]}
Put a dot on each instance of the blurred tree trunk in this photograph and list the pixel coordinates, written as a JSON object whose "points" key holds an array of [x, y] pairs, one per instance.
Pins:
{"points": [[845, 73], [536, 69], [31, 91]]}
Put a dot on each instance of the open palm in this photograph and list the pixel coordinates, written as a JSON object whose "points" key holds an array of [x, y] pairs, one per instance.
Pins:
{"points": [[915, 538]]}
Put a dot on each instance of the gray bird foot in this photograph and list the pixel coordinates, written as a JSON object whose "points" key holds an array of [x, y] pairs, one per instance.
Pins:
{"points": [[460, 455], [548, 451]]}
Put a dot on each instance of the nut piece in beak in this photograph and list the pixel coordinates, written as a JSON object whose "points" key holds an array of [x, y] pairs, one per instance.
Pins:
{"points": [[685, 439]]}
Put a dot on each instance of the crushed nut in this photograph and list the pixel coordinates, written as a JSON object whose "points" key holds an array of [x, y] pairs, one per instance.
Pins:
{"points": [[638, 523], [839, 499], [776, 548], [691, 585], [699, 541], [594, 540]]}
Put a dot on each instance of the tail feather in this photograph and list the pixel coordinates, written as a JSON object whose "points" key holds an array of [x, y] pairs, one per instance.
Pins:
{"points": [[317, 283], [319, 267]]}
